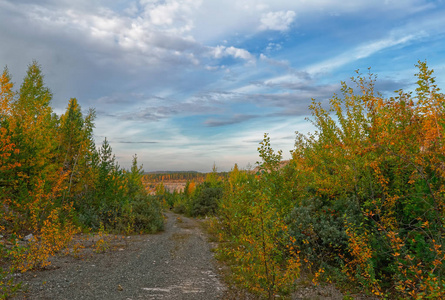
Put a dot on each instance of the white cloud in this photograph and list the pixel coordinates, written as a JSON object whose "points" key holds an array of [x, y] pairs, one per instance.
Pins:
{"points": [[219, 51], [223, 51], [159, 32], [156, 34], [273, 47], [279, 20], [362, 51], [171, 14], [239, 53], [164, 14]]}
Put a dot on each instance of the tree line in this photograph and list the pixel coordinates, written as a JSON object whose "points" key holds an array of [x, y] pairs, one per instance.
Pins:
{"points": [[173, 175]]}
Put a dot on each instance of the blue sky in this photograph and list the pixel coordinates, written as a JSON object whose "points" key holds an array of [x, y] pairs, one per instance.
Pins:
{"points": [[188, 83]]}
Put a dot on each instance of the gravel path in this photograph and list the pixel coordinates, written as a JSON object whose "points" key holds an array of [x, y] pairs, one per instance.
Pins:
{"points": [[174, 264]]}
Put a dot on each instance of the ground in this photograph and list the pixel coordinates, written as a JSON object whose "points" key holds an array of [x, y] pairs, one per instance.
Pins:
{"points": [[174, 264]]}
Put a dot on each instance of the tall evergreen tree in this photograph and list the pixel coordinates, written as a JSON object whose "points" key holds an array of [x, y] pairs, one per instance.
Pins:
{"points": [[35, 127], [76, 148], [134, 179]]}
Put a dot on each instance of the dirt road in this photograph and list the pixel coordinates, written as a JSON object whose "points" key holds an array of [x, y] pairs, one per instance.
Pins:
{"points": [[174, 264]]}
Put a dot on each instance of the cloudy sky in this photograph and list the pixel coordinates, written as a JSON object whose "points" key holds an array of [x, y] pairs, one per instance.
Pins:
{"points": [[188, 83]]}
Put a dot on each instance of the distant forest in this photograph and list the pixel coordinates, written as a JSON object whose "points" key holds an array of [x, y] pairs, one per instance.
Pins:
{"points": [[158, 176]]}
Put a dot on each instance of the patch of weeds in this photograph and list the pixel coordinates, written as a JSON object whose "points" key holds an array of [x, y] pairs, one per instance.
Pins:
{"points": [[8, 286], [101, 245]]}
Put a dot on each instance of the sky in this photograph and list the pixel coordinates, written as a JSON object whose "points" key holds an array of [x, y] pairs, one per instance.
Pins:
{"points": [[186, 84]]}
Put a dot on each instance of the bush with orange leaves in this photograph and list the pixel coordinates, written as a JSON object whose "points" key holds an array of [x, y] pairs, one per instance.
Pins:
{"points": [[253, 236], [363, 197], [47, 220], [386, 157]]}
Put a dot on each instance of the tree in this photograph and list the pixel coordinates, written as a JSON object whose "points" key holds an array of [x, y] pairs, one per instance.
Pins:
{"points": [[134, 179], [34, 128], [75, 146], [34, 96], [7, 147]]}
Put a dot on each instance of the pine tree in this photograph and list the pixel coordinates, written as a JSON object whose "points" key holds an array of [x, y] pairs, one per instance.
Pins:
{"points": [[35, 127], [134, 179]]}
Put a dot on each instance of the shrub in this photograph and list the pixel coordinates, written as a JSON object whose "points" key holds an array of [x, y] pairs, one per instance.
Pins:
{"points": [[206, 201], [147, 215], [318, 228]]}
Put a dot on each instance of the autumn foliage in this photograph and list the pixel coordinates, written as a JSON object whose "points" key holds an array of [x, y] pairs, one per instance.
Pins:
{"points": [[361, 203], [55, 182]]}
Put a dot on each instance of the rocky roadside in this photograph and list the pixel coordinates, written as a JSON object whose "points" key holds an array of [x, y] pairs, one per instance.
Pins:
{"points": [[174, 264]]}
